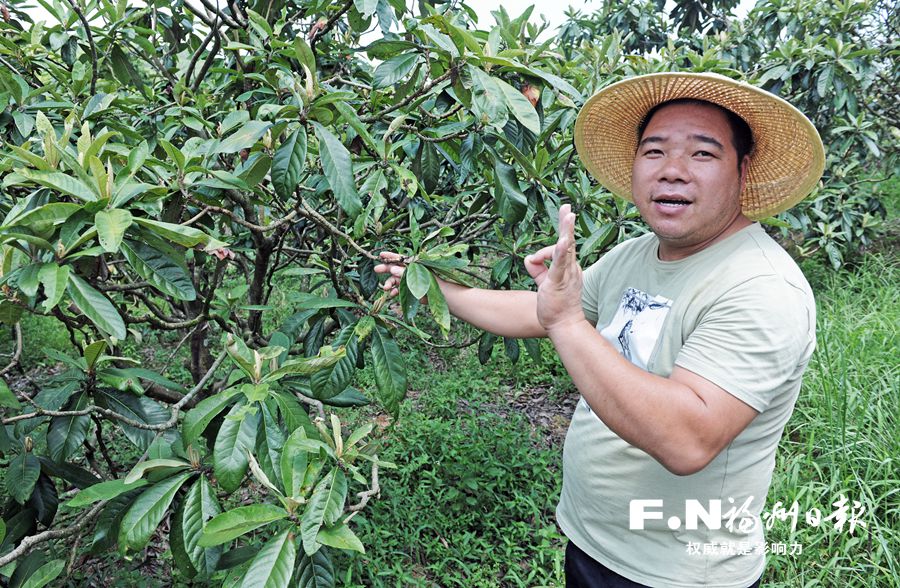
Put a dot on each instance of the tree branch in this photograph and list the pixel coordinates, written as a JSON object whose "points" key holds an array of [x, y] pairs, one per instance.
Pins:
{"points": [[90, 38], [29, 543], [18, 353]]}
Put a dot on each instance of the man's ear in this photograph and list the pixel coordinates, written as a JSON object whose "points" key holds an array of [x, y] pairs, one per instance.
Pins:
{"points": [[744, 168]]}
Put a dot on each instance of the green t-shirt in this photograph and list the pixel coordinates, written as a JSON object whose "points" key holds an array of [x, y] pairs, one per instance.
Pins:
{"points": [[738, 313]]}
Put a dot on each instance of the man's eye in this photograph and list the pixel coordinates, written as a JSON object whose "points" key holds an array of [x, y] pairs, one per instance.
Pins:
{"points": [[703, 154], [653, 152]]}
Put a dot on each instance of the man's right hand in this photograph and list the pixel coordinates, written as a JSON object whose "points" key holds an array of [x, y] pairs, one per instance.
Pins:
{"points": [[393, 266]]}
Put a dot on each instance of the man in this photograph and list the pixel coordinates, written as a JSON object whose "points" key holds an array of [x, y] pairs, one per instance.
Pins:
{"points": [[687, 344]]}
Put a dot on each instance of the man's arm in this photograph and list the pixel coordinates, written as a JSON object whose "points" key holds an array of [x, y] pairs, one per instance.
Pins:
{"points": [[682, 421], [508, 313]]}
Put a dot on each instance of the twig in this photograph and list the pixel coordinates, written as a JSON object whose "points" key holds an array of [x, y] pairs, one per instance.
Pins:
{"points": [[320, 220], [220, 15], [176, 408], [28, 543], [253, 227], [374, 490], [18, 354], [320, 408], [196, 56], [420, 92], [90, 38], [209, 58], [328, 25]]}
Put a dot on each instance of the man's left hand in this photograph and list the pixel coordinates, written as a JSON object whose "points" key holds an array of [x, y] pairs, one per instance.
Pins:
{"points": [[559, 287]]}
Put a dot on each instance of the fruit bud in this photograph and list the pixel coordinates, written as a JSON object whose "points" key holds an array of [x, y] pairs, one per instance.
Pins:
{"points": [[29, 444]]}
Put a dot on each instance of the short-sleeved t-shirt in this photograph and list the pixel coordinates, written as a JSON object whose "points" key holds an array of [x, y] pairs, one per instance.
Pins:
{"points": [[741, 315]]}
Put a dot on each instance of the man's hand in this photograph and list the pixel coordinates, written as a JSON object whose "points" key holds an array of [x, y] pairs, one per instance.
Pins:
{"points": [[559, 287], [393, 266]]}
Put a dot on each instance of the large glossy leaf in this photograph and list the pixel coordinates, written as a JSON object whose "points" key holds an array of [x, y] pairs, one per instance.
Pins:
{"points": [[293, 462], [66, 433], [137, 408], [269, 441], [96, 307], [159, 269], [488, 100], [43, 216], [273, 566], [392, 70], [324, 507], [511, 200], [418, 280], [237, 521], [288, 163], [111, 227], [236, 436], [390, 369], [341, 537], [520, 107], [44, 574], [338, 170], [198, 506], [244, 138], [44, 500], [199, 417], [180, 234], [315, 571], [147, 511], [21, 476], [54, 279], [304, 366], [152, 465], [60, 182], [103, 491]]}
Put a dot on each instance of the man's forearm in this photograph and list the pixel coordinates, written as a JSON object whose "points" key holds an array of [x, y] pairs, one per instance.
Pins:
{"points": [[509, 313]]}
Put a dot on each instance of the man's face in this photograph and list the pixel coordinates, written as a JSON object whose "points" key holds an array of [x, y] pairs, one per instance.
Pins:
{"points": [[685, 179]]}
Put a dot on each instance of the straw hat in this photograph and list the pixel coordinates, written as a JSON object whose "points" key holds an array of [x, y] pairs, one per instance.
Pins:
{"points": [[785, 164]]}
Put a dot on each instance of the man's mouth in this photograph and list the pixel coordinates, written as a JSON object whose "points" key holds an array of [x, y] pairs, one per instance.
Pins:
{"points": [[673, 201]]}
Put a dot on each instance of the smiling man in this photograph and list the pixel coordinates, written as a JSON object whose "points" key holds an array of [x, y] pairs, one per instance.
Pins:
{"points": [[687, 344]]}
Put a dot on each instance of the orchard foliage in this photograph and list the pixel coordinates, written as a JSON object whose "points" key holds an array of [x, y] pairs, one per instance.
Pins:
{"points": [[178, 167]]}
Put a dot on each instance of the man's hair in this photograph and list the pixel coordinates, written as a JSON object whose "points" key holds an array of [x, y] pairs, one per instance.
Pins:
{"points": [[741, 135]]}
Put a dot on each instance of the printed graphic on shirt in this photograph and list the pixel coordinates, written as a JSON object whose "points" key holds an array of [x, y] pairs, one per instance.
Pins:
{"points": [[637, 325]]}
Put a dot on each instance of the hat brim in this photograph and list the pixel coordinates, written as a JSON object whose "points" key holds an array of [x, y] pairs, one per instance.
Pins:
{"points": [[787, 159]]}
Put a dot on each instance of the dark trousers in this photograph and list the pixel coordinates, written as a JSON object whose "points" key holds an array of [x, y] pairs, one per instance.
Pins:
{"points": [[582, 571]]}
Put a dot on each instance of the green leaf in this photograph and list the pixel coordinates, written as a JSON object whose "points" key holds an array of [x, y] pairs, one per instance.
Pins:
{"points": [[392, 70], [418, 280], [96, 307], [61, 182], [244, 138], [293, 413], [237, 521], [67, 433], [350, 397], [599, 238], [199, 417], [54, 279], [488, 100], [111, 227], [236, 436], [45, 574], [103, 491], [366, 8], [180, 234], [138, 471], [511, 200], [340, 537], [42, 217], [269, 441], [324, 507], [338, 170], [166, 274], [304, 54], [7, 398], [520, 107], [21, 476], [273, 566], [293, 462], [305, 366], [147, 511], [437, 305], [315, 571], [390, 369], [288, 163], [199, 506]]}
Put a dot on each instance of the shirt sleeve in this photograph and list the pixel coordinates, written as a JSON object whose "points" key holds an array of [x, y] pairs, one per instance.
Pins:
{"points": [[752, 340], [590, 291]]}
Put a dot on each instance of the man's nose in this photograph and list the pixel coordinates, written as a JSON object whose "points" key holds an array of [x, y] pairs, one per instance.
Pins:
{"points": [[674, 169]]}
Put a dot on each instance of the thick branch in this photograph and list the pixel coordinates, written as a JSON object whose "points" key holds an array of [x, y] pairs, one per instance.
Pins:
{"points": [[329, 25], [29, 543]]}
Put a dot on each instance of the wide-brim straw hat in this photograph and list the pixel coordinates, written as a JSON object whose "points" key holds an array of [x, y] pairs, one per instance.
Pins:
{"points": [[786, 162]]}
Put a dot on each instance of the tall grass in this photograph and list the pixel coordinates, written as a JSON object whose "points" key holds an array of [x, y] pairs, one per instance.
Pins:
{"points": [[844, 439]]}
